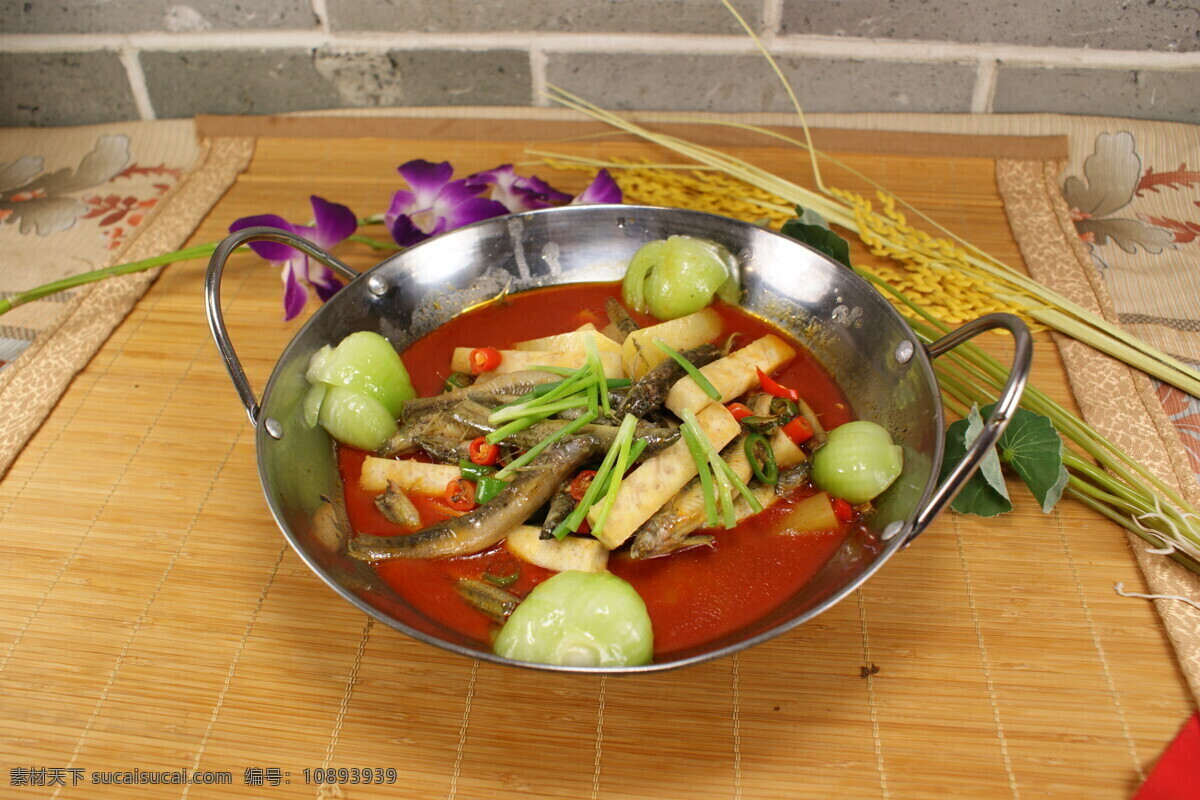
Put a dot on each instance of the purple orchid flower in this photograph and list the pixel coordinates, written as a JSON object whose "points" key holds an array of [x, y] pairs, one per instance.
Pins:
{"points": [[602, 189], [526, 194], [517, 193], [435, 203], [334, 223]]}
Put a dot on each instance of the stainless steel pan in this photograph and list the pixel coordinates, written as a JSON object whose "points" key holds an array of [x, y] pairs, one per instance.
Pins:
{"points": [[877, 360]]}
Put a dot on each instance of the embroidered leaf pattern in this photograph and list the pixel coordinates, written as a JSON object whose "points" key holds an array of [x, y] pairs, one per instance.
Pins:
{"points": [[42, 201], [1111, 174]]}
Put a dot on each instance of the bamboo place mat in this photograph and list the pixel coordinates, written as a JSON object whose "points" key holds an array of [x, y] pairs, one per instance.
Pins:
{"points": [[154, 619]]}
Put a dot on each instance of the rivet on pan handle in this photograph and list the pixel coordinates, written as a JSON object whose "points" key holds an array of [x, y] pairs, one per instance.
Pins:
{"points": [[1006, 405], [212, 298]]}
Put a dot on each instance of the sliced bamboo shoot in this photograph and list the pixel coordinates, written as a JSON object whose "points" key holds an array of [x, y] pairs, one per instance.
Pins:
{"points": [[732, 375], [573, 552], [639, 353], [518, 360], [564, 341], [410, 476], [658, 479]]}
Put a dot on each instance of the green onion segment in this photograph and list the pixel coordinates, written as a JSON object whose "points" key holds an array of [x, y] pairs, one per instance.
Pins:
{"points": [[690, 368], [536, 450], [721, 469]]}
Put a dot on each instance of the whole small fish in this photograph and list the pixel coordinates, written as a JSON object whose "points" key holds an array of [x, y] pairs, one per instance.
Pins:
{"points": [[650, 391], [668, 529], [413, 430], [561, 506], [493, 601], [511, 383], [475, 416], [620, 318], [489, 523]]}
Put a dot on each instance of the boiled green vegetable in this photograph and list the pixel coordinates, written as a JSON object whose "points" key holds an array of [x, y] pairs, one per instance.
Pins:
{"points": [[858, 462], [356, 419], [579, 619], [678, 276], [363, 376], [366, 362]]}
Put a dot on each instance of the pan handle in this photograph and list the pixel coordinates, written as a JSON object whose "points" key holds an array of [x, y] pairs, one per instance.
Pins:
{"points": [[1006, 405], [212, 298]]}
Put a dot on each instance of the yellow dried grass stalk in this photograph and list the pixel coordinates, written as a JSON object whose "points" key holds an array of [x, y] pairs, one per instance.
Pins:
{"points": [[1000, 280], [936, 272], [927, 270], [714, 192]]}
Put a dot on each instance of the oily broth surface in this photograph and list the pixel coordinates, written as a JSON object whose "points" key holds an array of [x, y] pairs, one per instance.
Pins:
{"points": [[692, 597]]}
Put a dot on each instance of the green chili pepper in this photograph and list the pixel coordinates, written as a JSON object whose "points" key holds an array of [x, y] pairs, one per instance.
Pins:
{"points": [[768, 472], [784, 408], [474, 472], [487, 487], [760, 423], [456, 380]]}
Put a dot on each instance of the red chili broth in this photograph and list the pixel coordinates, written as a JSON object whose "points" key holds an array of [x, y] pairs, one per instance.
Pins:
{"points": [[692, 597]]}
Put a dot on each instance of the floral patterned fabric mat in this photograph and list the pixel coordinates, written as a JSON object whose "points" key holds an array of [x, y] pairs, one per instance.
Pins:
{"points": [[1141, 223], [70, 200], [73, 200]]}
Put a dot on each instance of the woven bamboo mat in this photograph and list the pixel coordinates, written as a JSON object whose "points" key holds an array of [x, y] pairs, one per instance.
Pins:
{"points": [[153, 619]]}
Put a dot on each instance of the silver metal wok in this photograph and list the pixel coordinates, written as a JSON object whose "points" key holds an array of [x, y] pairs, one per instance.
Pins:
{"points": [[869, 349]]}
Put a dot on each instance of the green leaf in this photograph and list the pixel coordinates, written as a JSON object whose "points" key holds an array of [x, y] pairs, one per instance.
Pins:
{"points": [[809, 217], [978, 496], [1030, 446], [989, 468], [1034, 450], [809, 228]]}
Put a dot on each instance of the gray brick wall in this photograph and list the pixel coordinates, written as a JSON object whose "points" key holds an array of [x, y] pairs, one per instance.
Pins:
{"points": [[68, 62]]}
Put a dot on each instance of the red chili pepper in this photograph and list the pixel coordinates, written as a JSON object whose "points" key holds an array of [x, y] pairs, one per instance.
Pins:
{"points": [[739, 411], [798, 430], [770, 386], [483, 452], [460, 494], [843, 510], [484, 359], [580, 485]]}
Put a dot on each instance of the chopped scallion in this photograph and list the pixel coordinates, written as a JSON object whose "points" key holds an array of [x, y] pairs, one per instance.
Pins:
{"points": [[593, 358], [724, 490], [690, 369], [541, 410], [535, 400], [564, 371], [575, 518], [536, 450], [702, 472], [503, 432], [598, 486], [689, 418], [625, 438]]}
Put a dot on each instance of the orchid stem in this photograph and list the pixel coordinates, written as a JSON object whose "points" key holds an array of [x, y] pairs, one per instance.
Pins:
{"points": [[62, 285], [187, 254], [374, 244]]}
